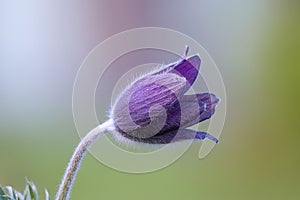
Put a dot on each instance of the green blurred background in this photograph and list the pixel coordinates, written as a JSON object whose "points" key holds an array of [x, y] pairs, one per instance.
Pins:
{"points": [[256, 46]]}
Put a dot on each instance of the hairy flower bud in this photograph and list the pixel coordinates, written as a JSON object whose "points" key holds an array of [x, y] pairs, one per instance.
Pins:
{"points": [[155, 109]]}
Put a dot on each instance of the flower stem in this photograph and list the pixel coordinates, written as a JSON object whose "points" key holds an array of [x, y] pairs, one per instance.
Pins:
{"points": [[65, 187]]}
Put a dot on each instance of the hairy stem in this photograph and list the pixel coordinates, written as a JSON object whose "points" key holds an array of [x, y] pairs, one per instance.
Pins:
{"points": [[65, 187]]}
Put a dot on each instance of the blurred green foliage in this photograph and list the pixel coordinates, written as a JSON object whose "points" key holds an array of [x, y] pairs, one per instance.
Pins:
{"points": [[30, 193]]}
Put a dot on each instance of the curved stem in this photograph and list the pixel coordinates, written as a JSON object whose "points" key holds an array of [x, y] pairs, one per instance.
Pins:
{"points": [[65, 187]]}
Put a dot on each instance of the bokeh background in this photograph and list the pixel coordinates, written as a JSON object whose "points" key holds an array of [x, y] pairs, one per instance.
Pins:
{"points": [[256, 46]]}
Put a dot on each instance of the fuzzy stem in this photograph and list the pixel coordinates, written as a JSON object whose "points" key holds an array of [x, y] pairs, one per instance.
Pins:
{"points": [[65, 187]]}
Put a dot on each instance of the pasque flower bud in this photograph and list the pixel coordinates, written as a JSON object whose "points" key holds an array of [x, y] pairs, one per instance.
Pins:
{"points": [[155, 108]]}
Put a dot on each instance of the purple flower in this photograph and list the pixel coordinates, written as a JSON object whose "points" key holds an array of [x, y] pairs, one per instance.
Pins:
{"points": [[155, 109]]}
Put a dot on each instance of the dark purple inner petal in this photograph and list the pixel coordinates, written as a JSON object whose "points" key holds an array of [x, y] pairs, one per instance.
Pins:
{"points": [[190, 110]]}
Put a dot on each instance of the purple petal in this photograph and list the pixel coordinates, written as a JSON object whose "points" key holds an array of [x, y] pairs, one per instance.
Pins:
{"points": [[187, 68], [155, 93], [190, 110], [173, 136]]}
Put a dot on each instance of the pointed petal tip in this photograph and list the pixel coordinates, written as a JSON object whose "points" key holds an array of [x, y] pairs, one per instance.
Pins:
{"points": [[209, 98], [212, 138], [215, 100]]}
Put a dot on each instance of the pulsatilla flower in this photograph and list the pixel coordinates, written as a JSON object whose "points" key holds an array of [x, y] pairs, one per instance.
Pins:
{"points": [[155, 109]]}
